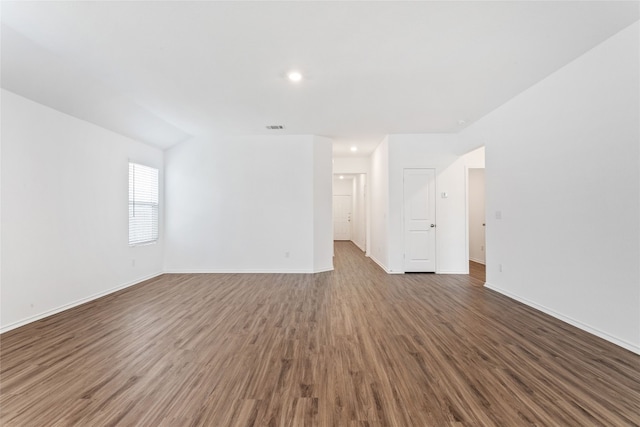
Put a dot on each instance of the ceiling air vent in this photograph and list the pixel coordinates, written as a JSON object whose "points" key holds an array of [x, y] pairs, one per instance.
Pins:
{"points": [[275, 127]]}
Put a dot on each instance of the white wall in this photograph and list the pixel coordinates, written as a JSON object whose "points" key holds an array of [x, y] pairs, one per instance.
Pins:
{"points": [[563, 170], [359, 220], [379, 200], [342, 187], [322, 205], [345, 165], [64, 212], [476, 215], [437, 151], [247, 204]]}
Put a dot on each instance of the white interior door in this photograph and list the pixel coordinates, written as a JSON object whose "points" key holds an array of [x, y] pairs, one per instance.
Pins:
{"points": [[341, 217], [419, 220]]}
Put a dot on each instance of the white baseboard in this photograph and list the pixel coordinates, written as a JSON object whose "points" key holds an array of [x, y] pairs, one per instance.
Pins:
{"points": [[381, 265], [479, 261], [384, 267], [30, 319], [452, 272], [244, 271], [578, 324]]}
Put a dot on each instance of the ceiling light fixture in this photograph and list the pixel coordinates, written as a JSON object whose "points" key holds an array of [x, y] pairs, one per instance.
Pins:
{"points": [[294, 76], [341, 176], [354, 149]]}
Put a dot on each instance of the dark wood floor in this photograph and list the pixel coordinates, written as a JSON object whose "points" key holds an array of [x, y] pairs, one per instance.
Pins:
{"points": [[353, 347]]}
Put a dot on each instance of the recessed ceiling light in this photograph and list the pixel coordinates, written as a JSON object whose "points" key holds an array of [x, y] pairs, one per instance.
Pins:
{"points": [[294, 76], [354, 149], [462, 122], [341, 176]]}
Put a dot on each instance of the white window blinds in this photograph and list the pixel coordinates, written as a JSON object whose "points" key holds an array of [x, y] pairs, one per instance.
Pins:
{"points": [[143, 204]]}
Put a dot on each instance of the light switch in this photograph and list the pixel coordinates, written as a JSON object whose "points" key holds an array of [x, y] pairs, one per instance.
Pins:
{"points": [[498, 214]]}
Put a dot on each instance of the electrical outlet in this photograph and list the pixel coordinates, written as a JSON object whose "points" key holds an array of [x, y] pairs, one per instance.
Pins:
{"points": [[500, 268], [286, 254], [133, 263]]}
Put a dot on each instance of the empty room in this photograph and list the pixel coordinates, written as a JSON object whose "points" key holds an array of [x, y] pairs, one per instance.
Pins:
{"points": [[320, 213]]}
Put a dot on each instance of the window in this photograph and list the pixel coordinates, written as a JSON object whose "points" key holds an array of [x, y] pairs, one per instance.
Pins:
{"points": [[143, 204]]}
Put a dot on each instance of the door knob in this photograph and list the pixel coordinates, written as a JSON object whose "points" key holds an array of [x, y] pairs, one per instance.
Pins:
{"points": [[433, 225]]}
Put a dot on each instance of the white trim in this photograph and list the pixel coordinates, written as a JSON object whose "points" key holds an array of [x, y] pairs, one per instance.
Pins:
{"points": [[466, 213], [323, 270], [476, 260], [14, 325], [382, 266], [244, 271], [451, 272], [573, 322]]}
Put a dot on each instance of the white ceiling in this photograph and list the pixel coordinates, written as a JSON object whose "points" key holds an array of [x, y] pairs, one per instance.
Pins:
{"points": [[164, 71]]}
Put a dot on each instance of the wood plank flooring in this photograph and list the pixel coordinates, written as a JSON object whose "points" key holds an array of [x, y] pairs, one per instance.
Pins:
{"points": [[478, 271], [352, 347]]}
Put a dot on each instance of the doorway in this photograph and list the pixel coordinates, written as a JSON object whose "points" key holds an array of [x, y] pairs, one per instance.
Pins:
{"points": [[350, 208], [477, 223]]}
